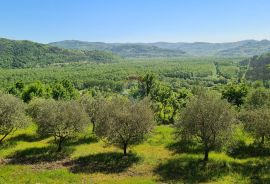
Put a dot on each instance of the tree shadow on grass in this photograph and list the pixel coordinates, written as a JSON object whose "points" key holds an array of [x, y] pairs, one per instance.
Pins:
{"points": [[13, 141], [241, 150], [185, 146], [7, 144], [257, 171], [25, 138], [31, 156], [190, 170], [82, 140], [104, 163]]}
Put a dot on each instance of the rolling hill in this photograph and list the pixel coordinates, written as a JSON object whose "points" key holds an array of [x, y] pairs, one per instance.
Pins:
{"points": [[249, 48], [22, 54]]}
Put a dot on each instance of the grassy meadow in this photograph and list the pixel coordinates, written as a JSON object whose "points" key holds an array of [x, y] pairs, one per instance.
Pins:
{"points": [[26, 158]]}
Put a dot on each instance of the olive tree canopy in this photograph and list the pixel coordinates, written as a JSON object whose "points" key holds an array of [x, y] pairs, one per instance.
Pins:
{"points": [[59, 119], [12, 115], [208, 119], [92, 106], [123, 122], [257, 122]]}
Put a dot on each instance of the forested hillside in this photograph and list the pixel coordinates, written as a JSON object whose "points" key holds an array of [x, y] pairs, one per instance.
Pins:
{"points": [[250, 48], [22, 54], [259, 68]]}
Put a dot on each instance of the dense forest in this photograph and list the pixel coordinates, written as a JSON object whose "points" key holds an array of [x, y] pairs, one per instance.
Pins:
{"points": [[88, 115]]}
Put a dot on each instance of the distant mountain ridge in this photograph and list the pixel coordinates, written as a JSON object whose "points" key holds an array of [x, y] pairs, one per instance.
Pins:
{"points": [[123, 49], [246, 48]]}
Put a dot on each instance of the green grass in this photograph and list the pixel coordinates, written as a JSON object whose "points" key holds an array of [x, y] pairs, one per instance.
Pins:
{"points": [[25, 158]]}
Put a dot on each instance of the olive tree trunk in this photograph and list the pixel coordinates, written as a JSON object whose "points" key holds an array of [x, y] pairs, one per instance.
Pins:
{"points": [[60, 143], [262, 139], [1, 140], [93, 128], [125, 149], [206, 153]]}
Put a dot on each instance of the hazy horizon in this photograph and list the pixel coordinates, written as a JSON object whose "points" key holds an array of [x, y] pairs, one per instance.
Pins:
{"points": [[139, 42]]}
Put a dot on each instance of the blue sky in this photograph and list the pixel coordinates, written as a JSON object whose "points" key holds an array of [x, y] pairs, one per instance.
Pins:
{"points": [[135, 20]]}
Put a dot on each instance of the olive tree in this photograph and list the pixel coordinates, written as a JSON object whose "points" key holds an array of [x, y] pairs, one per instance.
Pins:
{"points": [[208, 119], [92, 106], [12, 115], [257, 122], [123, 122], [59, 119]]}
